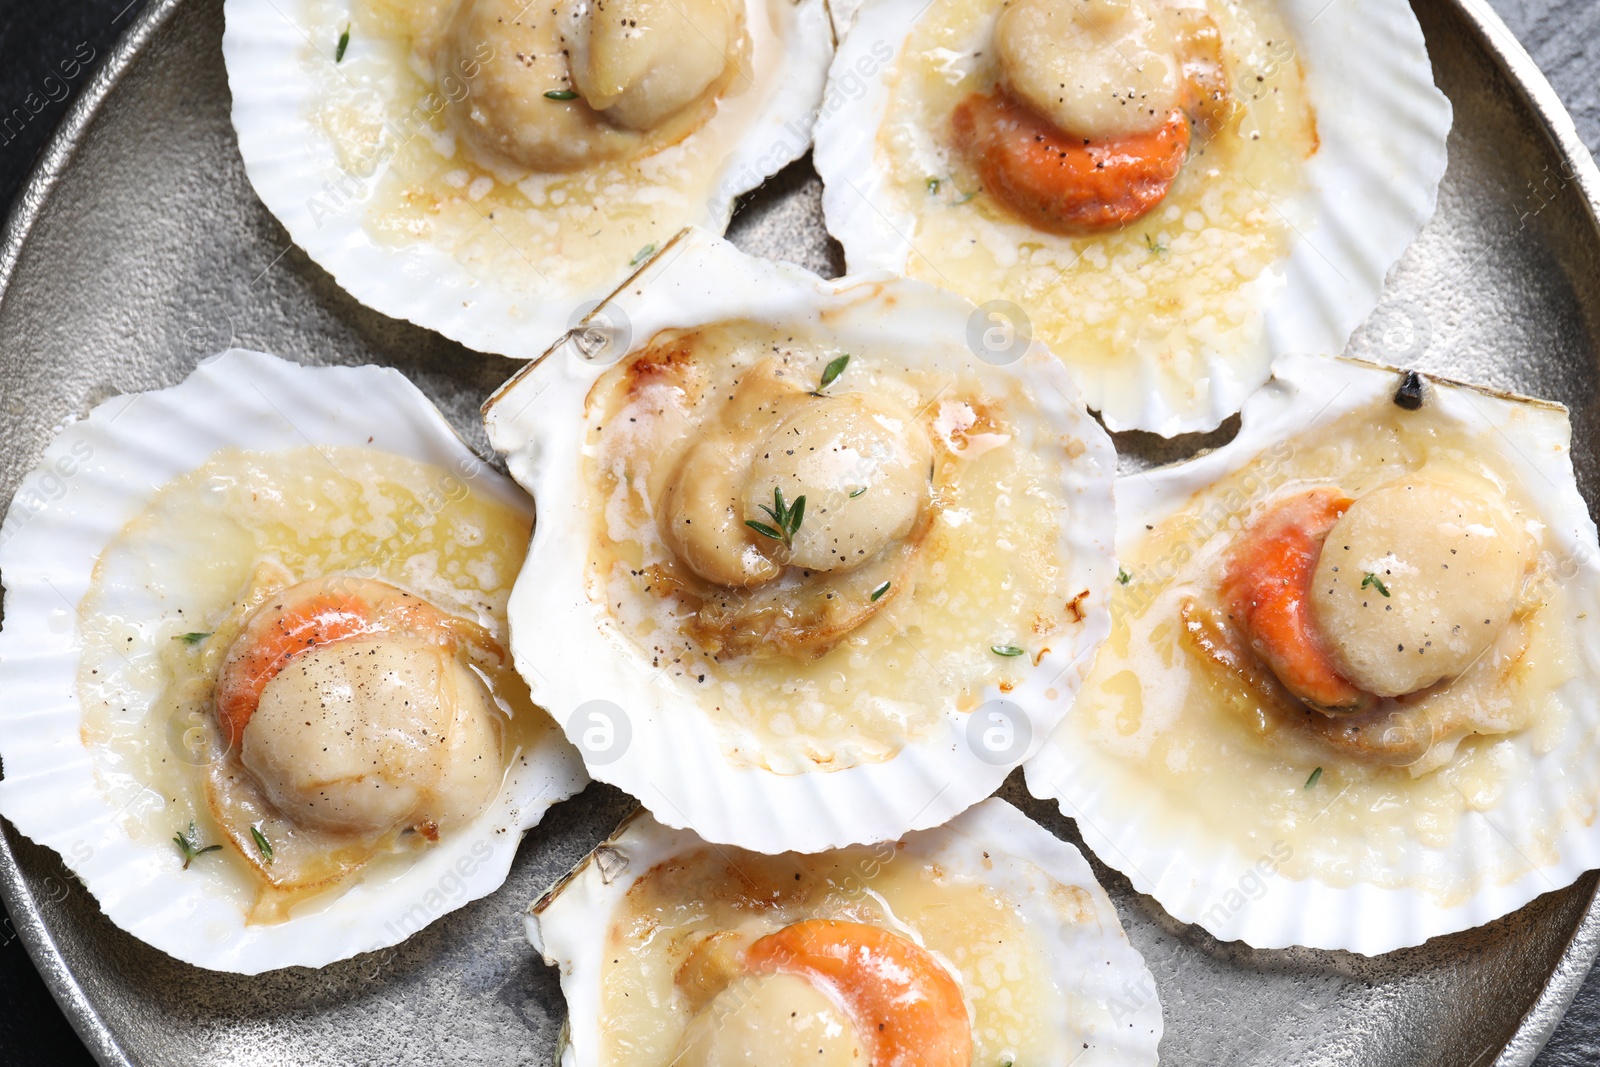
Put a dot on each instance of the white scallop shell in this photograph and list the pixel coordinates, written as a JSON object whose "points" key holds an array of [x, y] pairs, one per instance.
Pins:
{"points": [[269, 49], [1371, 187], [1109, 992], [98, 474], [571, 652], [1558, 788]]}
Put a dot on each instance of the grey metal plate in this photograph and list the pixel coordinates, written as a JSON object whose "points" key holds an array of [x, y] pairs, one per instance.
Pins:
{"points": [[139, 248]]}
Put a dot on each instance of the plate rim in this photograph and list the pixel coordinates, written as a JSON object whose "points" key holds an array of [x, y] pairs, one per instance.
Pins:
{"points": [[1484, 24], [26, 917]]}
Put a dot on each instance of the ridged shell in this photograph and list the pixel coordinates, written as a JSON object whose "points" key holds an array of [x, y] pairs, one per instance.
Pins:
{"points": [[1111, 993], [269, 48], [1370, 187], [94, 477], [571, 651], [1200, 876]]}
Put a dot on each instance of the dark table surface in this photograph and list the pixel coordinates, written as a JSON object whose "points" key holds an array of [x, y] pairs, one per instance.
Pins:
{"points": [[49, 50]]}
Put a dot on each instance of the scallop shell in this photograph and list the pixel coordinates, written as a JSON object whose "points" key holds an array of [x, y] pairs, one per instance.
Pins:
{"points": [[1370, 188], [271, 51], [1537, 835], [1109, 991], [572, 653], [94, 477]]}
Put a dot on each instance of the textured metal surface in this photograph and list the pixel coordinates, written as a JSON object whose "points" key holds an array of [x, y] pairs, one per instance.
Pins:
{"points": [[140, 249]]}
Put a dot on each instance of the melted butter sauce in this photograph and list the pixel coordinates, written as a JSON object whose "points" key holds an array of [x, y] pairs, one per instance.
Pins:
{"points": [[988, 572], [1187, 280], [1002, 964], [1194, 747], [383, 111], [191, 564]]}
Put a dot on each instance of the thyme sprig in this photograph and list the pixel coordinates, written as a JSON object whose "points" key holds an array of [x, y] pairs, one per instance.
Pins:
{"points": [[831, 372], [935, 184], [1375, 582], [189, 847], [263, 846], [786, 518]]}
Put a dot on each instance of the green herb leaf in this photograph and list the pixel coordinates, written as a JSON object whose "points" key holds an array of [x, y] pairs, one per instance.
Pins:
{"points": [[832, 371], [1156, 247], [763, 529], [263, 846], [344, 42], [189, 848], [779, 511], [191, 639], [1005, 650], [1315, 776], [561, 94], [933, 185], [786, 518], [1375, 582], [1123, 576], [878, 592], [643, 254], [857, 492]]}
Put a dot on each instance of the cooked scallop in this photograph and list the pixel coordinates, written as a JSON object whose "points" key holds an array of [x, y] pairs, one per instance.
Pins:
{"points": [[350, 702], [986, 941], [491, 169], [803, 548], [287, 691], [503, 116], [1448, 561], [639, 63], [860, 461], [1168, 193], [1357, 651], [1098, 69], [779, 1021]]}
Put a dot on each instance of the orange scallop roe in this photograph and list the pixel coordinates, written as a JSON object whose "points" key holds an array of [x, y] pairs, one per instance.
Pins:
{"points": [[314, 614], [1266, 587], [1062, 183], [906, 1007]]}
